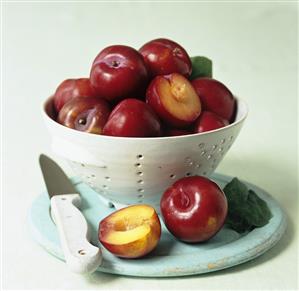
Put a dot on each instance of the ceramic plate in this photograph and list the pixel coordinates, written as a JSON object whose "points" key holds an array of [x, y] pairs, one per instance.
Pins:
{"points": [[171, 257]]}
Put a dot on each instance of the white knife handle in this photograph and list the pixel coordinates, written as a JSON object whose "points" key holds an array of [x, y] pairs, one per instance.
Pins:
{"points": [[80, 255]]}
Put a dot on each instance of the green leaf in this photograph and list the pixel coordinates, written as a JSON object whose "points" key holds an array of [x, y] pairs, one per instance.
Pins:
{"points": [[245, 209], [201, 67], [237, 223], [262, 213]]}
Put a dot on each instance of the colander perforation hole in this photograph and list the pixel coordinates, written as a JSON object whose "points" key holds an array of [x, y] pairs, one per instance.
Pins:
{"points": [[81, 252], [140, 198], [93, 176], [231, 137], [107, 178], [82, 165], [222, 141], [197, 166], [137, 165], [201, 145], [203, 153], [105, 187], [209, 157], [139, 173], [220, 149], [172, 176], [140, 190], [188, 174], [214, 147], [140, 181], [204, 173], [140, 157]]}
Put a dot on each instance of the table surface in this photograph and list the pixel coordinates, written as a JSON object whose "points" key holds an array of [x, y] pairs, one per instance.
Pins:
{"points": [[253, 46]]}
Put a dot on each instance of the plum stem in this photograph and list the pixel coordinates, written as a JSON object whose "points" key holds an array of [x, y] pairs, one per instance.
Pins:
{"points": [[115, 64], [82, 121]]}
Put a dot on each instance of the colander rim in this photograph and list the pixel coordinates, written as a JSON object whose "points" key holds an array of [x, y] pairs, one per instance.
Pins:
{"points": [[98, 136]]}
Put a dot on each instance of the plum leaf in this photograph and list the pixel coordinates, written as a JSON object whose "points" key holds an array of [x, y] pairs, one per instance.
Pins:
{"points": [[201, 67], [245, 209]]}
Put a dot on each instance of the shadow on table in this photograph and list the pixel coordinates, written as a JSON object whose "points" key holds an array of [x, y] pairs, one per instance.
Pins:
{"points": [[277, 250]]}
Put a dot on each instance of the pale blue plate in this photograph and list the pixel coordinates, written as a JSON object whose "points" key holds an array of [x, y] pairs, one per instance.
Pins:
{"points": [[171, 257]]}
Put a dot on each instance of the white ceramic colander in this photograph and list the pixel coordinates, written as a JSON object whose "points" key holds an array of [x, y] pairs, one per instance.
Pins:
{"points": [[128, 171]]}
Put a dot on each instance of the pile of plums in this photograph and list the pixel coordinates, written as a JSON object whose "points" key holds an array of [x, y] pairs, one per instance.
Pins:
{"points": [[145, 93]]}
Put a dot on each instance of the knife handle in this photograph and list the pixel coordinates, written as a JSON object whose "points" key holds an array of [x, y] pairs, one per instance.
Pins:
{"points": [[80, 255]]}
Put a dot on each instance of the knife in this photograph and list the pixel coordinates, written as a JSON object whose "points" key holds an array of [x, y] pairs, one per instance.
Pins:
{"points": [[80, 255]]}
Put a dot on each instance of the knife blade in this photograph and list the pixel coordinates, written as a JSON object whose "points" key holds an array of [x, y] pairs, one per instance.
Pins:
{"points": [[56, 180], [80, 255]]}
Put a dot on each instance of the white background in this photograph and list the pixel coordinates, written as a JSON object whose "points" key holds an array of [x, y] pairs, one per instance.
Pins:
{"points": [[253, 46]]}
